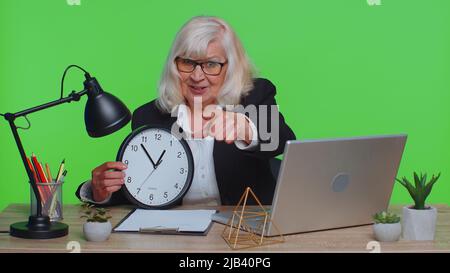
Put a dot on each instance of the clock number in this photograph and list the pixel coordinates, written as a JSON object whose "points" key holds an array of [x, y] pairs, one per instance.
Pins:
{"points": [[157, 136], [129, 179], [134, 148], [179, 155], [165, 194], [182, 170], [171, 143], [176, 186], [144, 138], [151, 197]]}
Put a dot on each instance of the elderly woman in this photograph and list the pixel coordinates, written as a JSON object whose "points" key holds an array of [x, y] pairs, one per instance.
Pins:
{"points": [[207, 68]]}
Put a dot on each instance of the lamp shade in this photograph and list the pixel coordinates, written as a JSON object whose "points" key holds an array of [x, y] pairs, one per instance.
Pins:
{"points": [[104, 113]]}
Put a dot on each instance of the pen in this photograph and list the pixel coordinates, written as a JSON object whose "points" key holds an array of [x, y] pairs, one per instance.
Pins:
{"points": [[41, 178], [36, 180], [49, 174], [36, 168], [54, 202], [60, 171], [41, 169], [62, 176]]}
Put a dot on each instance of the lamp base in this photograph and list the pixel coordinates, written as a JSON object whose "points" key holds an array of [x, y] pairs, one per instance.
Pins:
{"points": [[38, 227]]}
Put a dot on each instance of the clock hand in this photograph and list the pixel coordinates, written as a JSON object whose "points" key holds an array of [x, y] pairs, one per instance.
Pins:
{"points": [[148, 155], [160, 158], [148, 176]]}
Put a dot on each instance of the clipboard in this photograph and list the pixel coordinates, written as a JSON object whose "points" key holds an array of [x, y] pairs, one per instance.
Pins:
{"points": [[166, 222]]}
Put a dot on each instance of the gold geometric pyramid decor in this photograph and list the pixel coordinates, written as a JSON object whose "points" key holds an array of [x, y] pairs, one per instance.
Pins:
{"points": [[239, 234]]}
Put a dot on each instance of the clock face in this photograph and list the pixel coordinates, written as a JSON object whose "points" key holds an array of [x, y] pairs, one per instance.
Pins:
{"points": [[160, 167]]}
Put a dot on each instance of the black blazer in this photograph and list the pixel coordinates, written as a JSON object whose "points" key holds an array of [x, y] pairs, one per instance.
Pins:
{"points": [[235, 169]]}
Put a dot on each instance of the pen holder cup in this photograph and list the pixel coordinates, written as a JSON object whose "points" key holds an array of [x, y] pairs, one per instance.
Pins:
{"points": [[51, 200]]}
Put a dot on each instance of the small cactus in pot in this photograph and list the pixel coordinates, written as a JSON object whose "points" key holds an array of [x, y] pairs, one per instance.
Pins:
{"points": [[387, 227]]}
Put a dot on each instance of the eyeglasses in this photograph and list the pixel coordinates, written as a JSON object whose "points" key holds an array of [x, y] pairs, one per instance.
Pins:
{"points": [[209, 68]]}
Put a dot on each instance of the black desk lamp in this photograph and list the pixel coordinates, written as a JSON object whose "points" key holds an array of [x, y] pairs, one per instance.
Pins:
{"points": [[103, 115]]}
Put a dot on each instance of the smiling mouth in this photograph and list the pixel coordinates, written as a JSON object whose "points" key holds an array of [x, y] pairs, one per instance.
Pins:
{"points": [[198, 89]]}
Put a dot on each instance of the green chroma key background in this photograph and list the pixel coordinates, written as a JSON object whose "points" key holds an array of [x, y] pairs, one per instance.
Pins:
{"points": [[342, 69]]}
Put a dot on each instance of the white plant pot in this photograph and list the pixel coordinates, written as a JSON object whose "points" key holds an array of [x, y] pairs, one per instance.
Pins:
{"points": [[387, 232], [419, 225], [97, 232]]}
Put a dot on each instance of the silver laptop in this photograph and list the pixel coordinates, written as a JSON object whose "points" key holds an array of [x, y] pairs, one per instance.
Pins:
{"points": [[332, 183]]}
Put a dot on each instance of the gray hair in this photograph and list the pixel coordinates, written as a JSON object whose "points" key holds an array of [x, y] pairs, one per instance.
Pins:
{"points": [[192, 40]]}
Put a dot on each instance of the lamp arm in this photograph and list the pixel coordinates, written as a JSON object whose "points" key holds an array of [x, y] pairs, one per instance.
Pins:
{"points": [[74, 96], [10, 117]]}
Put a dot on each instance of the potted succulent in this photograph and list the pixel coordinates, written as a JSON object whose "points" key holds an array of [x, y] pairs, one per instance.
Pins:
{"points": [[387, 227], [419, 221], [97, 227]]}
